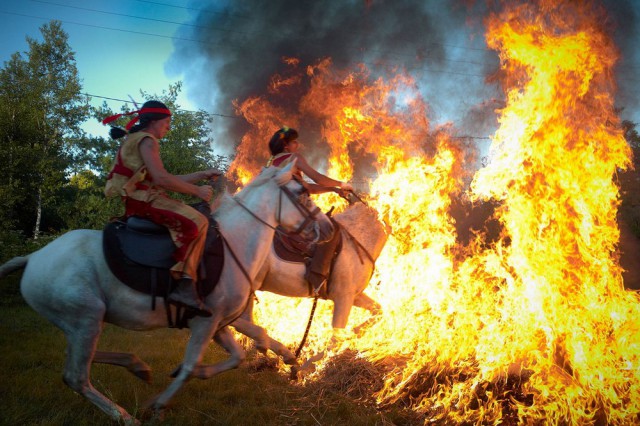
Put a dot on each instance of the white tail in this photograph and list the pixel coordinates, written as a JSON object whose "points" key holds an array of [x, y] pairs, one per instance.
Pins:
{"points": [[13, 265]]}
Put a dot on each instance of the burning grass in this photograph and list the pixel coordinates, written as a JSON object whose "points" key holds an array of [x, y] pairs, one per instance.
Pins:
{"points": [[533, 325]]}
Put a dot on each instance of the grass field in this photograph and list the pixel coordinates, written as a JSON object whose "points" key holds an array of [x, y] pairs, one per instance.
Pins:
{"points": [[32, 391]]}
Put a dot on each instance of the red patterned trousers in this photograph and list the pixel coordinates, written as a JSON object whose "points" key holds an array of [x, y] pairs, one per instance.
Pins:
{"points": [[187, 226]]}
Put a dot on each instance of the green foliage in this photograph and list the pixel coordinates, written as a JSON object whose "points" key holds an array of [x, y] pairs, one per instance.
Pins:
{"points": [[49, 165], [41, 110], [631, 133], [186, 148], [14, 243]]}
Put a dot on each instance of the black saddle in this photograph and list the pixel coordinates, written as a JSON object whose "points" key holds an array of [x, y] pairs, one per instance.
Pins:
{"points": [[140, 254]]}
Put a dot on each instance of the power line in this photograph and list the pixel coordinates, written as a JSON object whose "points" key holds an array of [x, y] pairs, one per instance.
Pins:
{"points": [[183, 110], [235, 15], [204, 42], [209, 43], [100, 27], [136, 17], [249, 33], [226, 30]]}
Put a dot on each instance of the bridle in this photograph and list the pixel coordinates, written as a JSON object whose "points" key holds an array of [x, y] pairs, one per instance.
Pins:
{"points": [[309, 216]]}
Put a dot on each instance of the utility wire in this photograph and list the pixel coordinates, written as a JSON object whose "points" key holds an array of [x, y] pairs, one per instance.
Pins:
{"points": [[208, 43], [227, 30], [226, 14], [139, 17], [183, 110]]}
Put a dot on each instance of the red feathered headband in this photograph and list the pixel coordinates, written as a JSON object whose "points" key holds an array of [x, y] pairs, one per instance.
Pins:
{"points": [[133, 121]]}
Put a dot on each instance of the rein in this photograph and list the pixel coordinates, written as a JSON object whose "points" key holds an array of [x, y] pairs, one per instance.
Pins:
{"points": [[306, 331], [306, 213], [309, 216], [359, 247]]}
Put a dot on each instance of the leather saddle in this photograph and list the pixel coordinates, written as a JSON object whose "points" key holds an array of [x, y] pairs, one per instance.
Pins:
{"points": [[291, 247], [139, 252]]}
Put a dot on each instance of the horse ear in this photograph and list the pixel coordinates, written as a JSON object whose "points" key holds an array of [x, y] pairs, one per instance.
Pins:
{"points": [[285, 174]]}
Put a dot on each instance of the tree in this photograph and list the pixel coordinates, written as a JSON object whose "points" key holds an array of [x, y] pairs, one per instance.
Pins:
{"points": [[631, 133], [185, 149], [42, 110]]}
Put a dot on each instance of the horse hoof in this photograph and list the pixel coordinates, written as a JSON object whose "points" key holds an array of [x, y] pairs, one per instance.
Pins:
{"points": [[153, 411], [294, 376], [144, 375], [175, 372]]}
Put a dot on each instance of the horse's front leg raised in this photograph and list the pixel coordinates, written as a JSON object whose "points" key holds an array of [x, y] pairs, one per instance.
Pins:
{"points": [[129, 361], [263, 341], [81, 345], [365, 302], [225, 339], [202, 330]]}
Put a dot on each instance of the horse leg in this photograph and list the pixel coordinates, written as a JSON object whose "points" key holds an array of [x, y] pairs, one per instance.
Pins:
{"points": [[365, 302], [264, 342], [341, 310], [131, 362], [202, 330], [81, 345], [246, 325], [225, 339]]}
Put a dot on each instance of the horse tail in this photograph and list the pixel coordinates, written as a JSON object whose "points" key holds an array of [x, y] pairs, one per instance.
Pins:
{"points": [[13, 265]]}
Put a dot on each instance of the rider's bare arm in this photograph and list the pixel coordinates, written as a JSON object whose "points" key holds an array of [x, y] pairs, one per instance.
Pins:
{"points": [[211, 174], [314, 175], [150, 152]]}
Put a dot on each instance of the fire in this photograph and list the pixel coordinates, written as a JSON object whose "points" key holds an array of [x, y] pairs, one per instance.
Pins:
{"points": [[535, 326]]}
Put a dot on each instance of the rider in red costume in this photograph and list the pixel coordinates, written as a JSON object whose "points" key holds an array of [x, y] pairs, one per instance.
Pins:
{"points": [[139, 177]]}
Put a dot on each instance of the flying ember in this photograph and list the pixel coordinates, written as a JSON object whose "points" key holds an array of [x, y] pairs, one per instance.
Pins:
{"points": [[532, 325]]}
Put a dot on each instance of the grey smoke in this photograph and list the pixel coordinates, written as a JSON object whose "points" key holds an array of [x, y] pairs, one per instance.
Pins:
{"points": [[243, 44], [439, 42]]}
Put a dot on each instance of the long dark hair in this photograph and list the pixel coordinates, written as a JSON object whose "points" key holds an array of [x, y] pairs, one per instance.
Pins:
{"points": [[280, 138], [144, 120]]}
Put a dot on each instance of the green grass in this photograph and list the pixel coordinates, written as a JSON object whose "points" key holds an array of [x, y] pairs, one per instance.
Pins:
{"points": [[32, 391]]}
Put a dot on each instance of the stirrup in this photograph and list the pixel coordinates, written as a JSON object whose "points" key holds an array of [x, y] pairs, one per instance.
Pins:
{"points": [[316, 290]]}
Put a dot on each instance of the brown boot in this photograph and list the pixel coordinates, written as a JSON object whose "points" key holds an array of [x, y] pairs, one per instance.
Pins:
{"points": [[185, 294]]}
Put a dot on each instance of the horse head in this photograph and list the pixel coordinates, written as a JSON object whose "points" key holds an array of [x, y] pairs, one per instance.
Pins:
{"points": [[294, 198], [276, 198]]}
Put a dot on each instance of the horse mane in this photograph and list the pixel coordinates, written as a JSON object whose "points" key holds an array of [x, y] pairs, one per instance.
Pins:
{"points": [[225, 201], [355, 210], [363, 224], [352, 217], [265, 174]]}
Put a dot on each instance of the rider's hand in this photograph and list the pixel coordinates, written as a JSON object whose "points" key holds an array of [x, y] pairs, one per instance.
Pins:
{"points": [[205, 192], [342, 193], [346, 186], [212, 174]]}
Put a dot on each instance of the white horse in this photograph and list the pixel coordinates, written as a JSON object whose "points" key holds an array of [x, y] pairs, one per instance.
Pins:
{"points": [[363, 238], [69, 283]]}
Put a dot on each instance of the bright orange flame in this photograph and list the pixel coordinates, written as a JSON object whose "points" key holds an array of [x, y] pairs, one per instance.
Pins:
{"points": [[536, 325]]}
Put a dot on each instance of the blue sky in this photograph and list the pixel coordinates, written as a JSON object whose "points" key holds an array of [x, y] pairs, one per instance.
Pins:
{"points": [[124, 46], [115, 55]]}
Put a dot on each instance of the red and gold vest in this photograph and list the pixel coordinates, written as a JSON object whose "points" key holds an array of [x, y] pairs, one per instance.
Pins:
{"points": [[129, 172]]}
